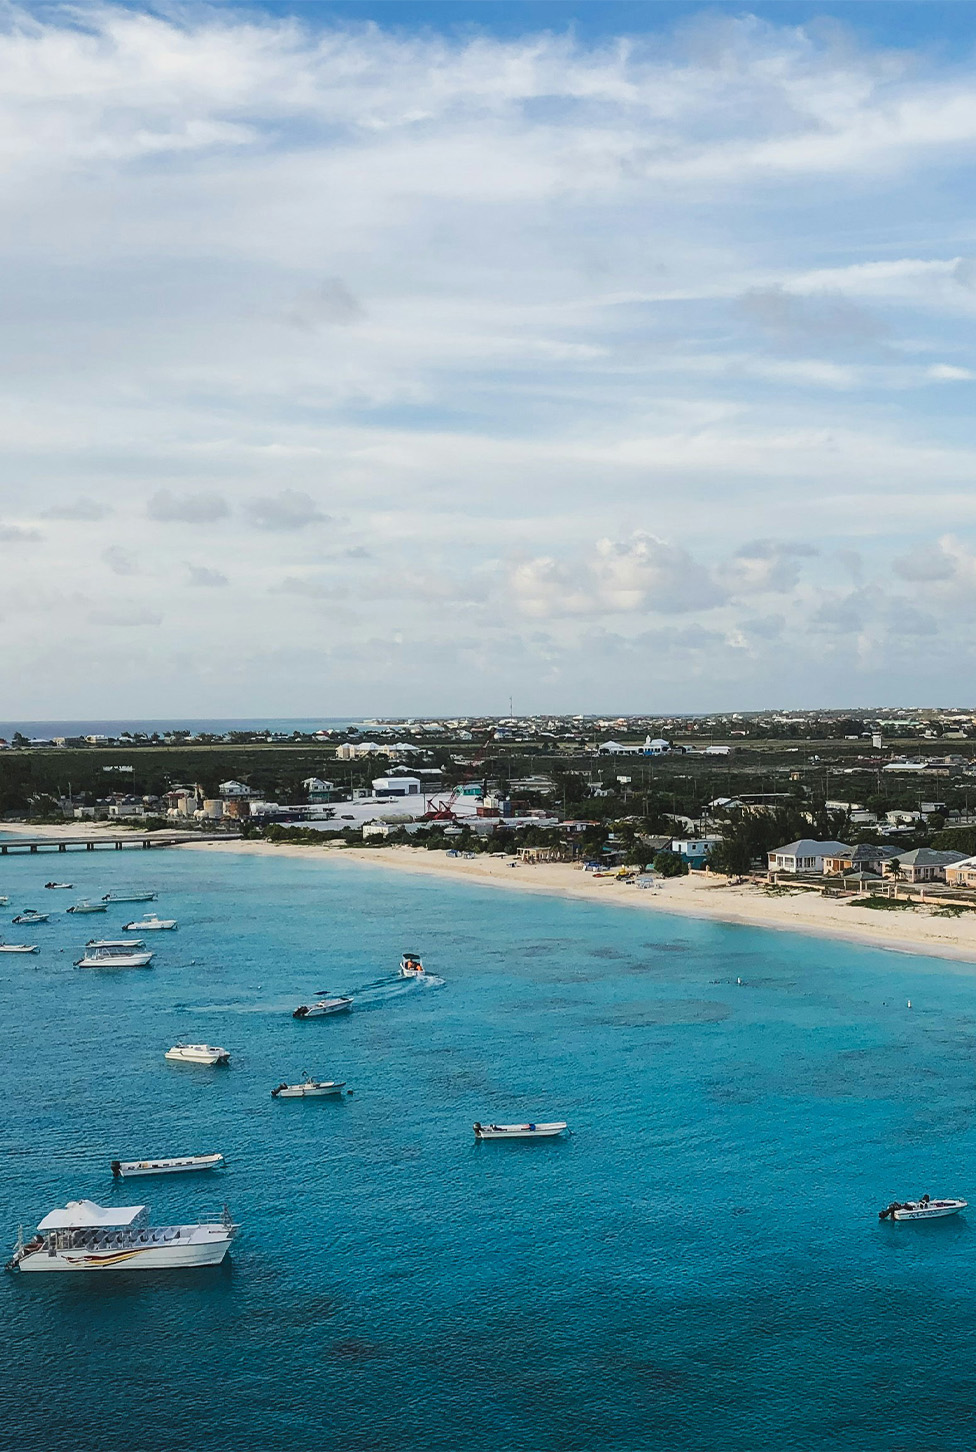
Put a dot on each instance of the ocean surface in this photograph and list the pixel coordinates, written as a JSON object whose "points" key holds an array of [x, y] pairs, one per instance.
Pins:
{"points": [[699, 1266]]}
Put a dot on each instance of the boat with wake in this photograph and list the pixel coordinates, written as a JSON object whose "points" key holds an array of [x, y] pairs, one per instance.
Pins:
{"points": [[18, 947], [411, 966], [89, 1237], [323, 1008], [182, 1165], [30, 915], [309, 1088], [151, 924], [923, 1209], [520, 1131], [115, 955], [197, 1054]]}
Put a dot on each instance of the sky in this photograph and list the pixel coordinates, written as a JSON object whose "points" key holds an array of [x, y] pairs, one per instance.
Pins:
{"points": [[409, 358]]}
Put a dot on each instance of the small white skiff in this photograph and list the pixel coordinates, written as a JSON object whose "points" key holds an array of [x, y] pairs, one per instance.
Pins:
{"points": [[30, 915], [924, 1209], [88, 907], [89, 1237], [124, 955], [124, 945], [411, 966], [323, 1008], [520, 1131], [197, 1054], [130, 1169], [68, 885], [309, 1088], [140, 895], [19, 948], [150, 924]]}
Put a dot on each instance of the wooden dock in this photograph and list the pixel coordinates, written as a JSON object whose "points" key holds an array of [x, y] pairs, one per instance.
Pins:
{"points": [[145, 840]]}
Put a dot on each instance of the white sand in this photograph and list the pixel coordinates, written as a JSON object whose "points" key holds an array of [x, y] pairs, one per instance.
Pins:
{"points": [[700, 895]]}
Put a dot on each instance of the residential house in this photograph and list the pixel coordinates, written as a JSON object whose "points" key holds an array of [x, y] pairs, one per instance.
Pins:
{"points": [[694, 850], [805, 855], [351, 750], [236, 790], [867, 859], [962, 874], [923, 864], [318, 790]]}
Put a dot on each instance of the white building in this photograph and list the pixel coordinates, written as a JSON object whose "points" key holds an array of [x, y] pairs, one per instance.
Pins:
{"points": [[351, 750], [805, 855], [318, 790], [236, 790], [396, 786]]}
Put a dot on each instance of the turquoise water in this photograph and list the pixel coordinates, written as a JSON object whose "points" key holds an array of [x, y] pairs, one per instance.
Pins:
{"points": [[700, 1265]]}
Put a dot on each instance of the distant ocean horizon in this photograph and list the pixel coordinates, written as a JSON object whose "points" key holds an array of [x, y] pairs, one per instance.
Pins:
{"points": [[45, 730]]}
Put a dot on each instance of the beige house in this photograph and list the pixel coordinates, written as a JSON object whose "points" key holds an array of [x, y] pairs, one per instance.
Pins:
{"points": [[962, 874]]}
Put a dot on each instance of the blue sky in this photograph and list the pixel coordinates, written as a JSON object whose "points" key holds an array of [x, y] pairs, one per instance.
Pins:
{"points": [[364, 358]]}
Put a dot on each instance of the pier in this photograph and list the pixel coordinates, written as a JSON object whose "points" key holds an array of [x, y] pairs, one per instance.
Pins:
{"points": [[144, 840]]}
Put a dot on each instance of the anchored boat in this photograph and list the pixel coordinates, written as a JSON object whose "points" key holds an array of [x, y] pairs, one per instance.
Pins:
{"points": [[130, 1169], [924, 1209], [19, 947], [520, 1131], [67, 885], [30, 915], [115, 955], [88, 1237], [197, 1054], [323, 1008], [133, 895], [88, 907], [309, 1088], [150, 924]]}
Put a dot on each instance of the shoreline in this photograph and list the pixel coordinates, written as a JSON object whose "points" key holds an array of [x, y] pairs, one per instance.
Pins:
{"points": [[702, 897]]}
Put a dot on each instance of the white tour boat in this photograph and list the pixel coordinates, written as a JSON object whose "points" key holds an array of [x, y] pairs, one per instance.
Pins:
{"points": [[88, 907], [323, 1008], [30, 915], [197, 1054], [309, 1088], [150, 924], [67, 885], [411, 966], [136, 895], [115, 955], [88, 1237], [924, 1209], [19, 947], [131, 1169], [520, 1131]]}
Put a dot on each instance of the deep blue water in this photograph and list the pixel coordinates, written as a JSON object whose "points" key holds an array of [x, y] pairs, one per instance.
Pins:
{"points": [[699, 1266]]}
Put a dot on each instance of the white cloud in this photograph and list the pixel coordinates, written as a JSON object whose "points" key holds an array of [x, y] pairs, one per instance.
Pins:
{"points": [[561, 336]]}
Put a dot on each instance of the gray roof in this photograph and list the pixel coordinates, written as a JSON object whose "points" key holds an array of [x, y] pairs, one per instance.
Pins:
{"points": [[929, 857], [807, 847]]}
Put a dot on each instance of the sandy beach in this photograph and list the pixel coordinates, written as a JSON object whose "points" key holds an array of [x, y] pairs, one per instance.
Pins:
{"points": [[918, 930]]}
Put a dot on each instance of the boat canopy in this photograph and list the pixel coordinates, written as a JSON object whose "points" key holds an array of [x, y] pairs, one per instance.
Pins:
{"points": [[78, 1214]]}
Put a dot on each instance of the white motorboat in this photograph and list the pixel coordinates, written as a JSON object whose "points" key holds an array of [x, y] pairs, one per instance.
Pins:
{"points": [[520, 1131], [923, 1209], [88, 907], [131, 1169], [30, 915], [116, 955], [4, 901], [89, 1237], [323, 1008], [66, 885], [151, 924], [411, 966], [125, 945], [309, 1088], [197, 1054], [134, 895], [19, 948]]}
